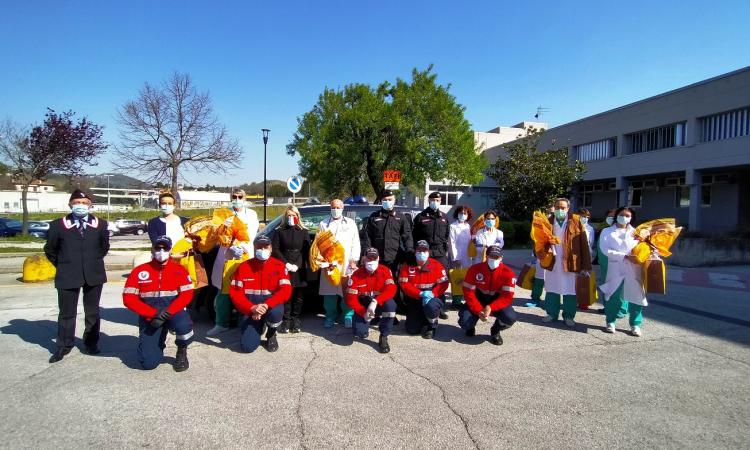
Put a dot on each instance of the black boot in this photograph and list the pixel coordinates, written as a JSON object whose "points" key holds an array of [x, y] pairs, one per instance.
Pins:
{"points": [[471, 332], [284, 327], [296, 325], [495, 337], [181, 363], [58, 355], [271, 344], [383, 346], [443, 315], [93, 349], [428, 332]]}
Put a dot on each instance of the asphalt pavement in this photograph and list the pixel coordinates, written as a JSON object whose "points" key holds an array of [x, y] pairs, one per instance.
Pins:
{"points": [[682, 385]]}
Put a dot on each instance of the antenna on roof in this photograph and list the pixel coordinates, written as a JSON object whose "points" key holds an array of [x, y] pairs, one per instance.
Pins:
{"points": [[539, 111]]}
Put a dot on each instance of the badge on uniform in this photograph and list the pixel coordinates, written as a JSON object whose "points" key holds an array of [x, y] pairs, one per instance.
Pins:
{"points": [[479, 277], [143, 275]]}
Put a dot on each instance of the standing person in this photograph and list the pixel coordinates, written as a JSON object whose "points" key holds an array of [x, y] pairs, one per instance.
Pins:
{"points": [[459, 236], [624, 273], [604, 263], [222, 302], [585, 215], [169, 223], [345, 231], [488, 235], [572, 256], [158, 291], [291, 245], [260, 286], [370, 291], [489, 288], [76, 246], [432, 225], [537, 287], [423, 284]]}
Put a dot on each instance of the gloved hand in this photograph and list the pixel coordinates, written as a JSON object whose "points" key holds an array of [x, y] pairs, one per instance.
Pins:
{"points": [[162, 316], [237, 251], [370, 313], [323, 265], [228, 221], [291, 267], [426, 297]]}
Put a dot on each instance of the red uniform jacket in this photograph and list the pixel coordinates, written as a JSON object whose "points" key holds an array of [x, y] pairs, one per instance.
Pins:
{"points": [[153, 286], [483, 286], [378, 285], [255, 282], [415, 279]]}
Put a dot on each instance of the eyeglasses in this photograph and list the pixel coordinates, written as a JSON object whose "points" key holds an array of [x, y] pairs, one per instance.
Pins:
{"points": [[236, 197]]}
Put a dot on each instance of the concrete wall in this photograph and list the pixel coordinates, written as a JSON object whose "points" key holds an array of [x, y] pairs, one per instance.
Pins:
{"points": [[694, 252]]}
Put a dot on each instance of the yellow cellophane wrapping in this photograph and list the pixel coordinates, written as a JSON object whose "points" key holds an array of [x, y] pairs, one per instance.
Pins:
{"points": [[326, 248], [201, 230], [185, 246], [658, 235], [526, 277], [456, 277], [543, 237], [478, 224], [230, 266], [235, 232], [586, 293]]}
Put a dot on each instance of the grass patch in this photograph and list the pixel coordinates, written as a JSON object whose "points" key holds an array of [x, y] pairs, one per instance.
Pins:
{"points": [[20, 250], [22, 239]]}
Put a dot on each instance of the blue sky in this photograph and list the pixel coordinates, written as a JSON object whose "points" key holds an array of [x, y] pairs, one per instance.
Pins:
{"points": [[265, 63]]}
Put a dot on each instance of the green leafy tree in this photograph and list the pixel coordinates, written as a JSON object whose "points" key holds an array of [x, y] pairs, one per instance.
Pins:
{"points": [[530, 179], [352, 135]]}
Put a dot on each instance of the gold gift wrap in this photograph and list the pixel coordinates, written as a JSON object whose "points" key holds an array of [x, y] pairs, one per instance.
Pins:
{"points": [[226, 235], [478, 224], [544, 238], [326, 248], [456, 277], [657, 237], [526, 277], [654, 275], [191, 261], [201, 231], [586, 293]]}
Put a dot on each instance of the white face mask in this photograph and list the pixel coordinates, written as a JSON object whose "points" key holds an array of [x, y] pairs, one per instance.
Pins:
{"points": [[462, 217], [610, 220], [623, 220], [167, 209], [336, 212], [160, 255], [262, 254], [371, 266], [494, 263], [584, 220], [290, 221]]}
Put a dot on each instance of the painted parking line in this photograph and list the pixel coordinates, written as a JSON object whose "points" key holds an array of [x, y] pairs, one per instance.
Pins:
{"points": [[726, 280]]}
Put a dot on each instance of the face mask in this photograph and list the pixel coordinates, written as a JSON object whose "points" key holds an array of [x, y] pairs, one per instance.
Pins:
{"points": [[167, 209], [291, 221], [371, 266], [161, 255], [387, 205], [237, 204], [434, 205], [610, 220], [489, 223], [584, 220], [462, 217], [623, 220], [80, 211], [336, 213], [493, 263], [561, 214], [262, 254], [422, 256]]}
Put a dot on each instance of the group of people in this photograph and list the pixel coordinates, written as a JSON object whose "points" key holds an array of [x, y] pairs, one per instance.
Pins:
{"points": [[399, 265]]}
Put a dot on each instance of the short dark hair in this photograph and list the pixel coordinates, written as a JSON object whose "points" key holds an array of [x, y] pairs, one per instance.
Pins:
{"points": [[466, 208], [584, 212], [166, 194], [489, 211], [626, 208], [609, 211]]}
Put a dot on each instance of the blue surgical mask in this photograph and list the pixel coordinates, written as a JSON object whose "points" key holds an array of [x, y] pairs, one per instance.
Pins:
{"points": [[489, 223], [237, 204], [462, 217], [623, 220], [371, 266], [387, 205], [494, 263], [336, 212], [561, 214], [422, 256], [80, 211], [434, 205], [167, 209], [610, 220], [262, 254], [584, 220]]}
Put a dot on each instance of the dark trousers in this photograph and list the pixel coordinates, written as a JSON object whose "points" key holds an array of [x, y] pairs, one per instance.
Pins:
{"points": [[67, 301], [419, 316], [387, 313], [293, 308], [251, 329], [504, 318], [151, 341]]}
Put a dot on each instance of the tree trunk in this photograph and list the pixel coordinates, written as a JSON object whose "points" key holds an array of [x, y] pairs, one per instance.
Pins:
{"points": [[173, 186], [372, 175], [25, 217]]}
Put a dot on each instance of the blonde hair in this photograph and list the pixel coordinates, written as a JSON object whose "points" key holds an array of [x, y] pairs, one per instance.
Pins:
{"points": [[294, 211]]}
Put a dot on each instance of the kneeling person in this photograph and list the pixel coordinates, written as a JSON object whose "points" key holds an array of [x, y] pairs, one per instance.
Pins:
{"points": [[423, 284], [158, 291], [488, 289], [259, 289], [369, 293]]}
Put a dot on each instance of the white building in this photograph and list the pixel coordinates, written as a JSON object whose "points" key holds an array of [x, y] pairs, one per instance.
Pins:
{"points": [[37, 186], [203, 199], [10, 202]]}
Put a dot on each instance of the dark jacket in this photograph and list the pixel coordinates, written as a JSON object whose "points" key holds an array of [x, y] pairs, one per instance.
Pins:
{"points": [[292, 245], [79, 259], [433, 227], [158, 228], [576, 255], [390, 233]]}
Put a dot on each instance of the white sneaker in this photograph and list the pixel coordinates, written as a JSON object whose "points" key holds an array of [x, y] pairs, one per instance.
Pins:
{"points": [[610, 328], [217, 330], [547, 319], [570, 322], [636, 330]]}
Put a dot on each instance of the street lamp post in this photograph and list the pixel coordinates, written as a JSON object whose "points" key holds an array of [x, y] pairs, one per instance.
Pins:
{"points": [[109, 204], [265, 151]]}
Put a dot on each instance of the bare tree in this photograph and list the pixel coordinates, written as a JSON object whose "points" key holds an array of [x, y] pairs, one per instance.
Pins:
{"points": [[169, 126]]}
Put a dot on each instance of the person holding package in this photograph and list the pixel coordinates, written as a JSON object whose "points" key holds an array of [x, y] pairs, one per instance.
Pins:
{"points": [[459, 236], [291, 245]]}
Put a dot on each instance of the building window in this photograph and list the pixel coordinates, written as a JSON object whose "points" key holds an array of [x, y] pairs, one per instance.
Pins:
{"points": [[725, 125], [594, 151], [7, 205], [15, 204], [656, 138], [448, 198], [636, 197], [682, 196], [706, 195]]}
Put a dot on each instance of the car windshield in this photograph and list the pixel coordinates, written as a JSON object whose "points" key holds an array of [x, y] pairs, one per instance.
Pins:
{"points": [[311, 217], [13, 223]]}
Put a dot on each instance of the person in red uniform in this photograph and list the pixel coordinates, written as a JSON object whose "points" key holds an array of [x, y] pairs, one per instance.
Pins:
{"points": [[488, 288], [423, 283], [259, 289], [370, 292], [158, 291]]}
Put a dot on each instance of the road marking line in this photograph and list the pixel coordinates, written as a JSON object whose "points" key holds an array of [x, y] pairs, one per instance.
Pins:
{"points": [[726, 280]]}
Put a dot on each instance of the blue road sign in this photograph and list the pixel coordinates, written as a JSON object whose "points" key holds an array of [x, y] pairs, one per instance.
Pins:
{"points": [[294, 184]]}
